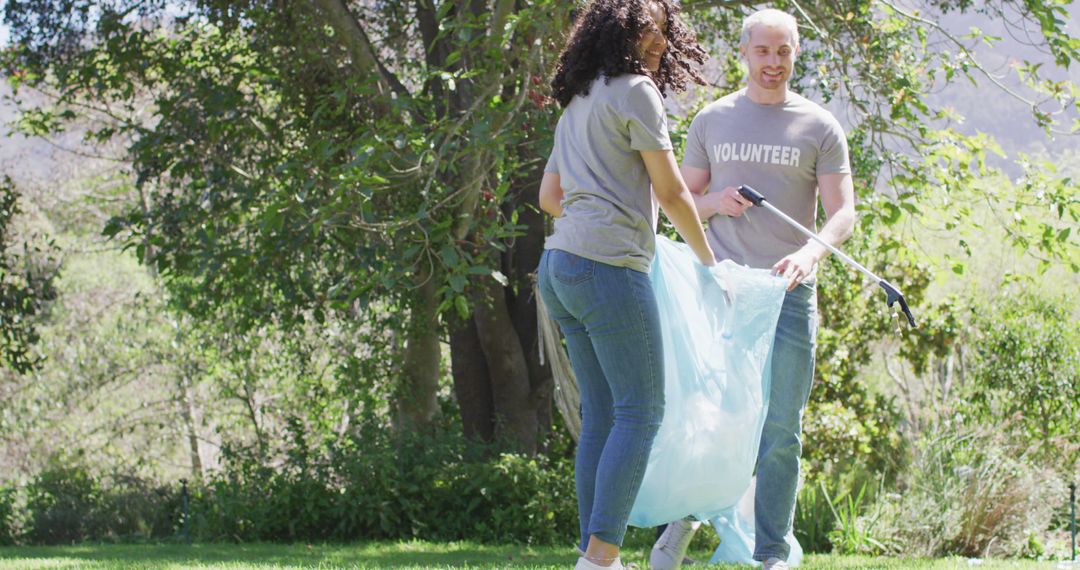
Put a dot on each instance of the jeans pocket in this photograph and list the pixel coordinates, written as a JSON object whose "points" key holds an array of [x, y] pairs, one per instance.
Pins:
{"points": [[570, 269]]}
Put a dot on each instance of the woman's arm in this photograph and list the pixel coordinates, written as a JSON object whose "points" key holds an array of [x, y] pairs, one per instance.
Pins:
{"points": [[551, 194], [675, 199]]}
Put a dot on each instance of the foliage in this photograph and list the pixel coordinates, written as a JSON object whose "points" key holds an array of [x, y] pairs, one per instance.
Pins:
{"points": [[306, 188], [26, 285], [67, 504], [854, 532], [848, 425], [444, 489], [300, 160], [7, 516], [814, 520], [1026, 366], [968, 491]]}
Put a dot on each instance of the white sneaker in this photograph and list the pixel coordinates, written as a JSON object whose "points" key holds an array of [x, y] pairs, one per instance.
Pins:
{"points": [[774, 564], [670, 548], [586, 564]]}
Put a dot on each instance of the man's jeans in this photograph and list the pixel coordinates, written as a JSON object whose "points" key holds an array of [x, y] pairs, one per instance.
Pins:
{"points": [[611, 323], [781, 439]]}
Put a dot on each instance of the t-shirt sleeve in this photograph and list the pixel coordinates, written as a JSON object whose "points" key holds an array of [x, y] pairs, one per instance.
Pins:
{"points": [[833, 156], [643, 112], [552, 165], [695, 154]]}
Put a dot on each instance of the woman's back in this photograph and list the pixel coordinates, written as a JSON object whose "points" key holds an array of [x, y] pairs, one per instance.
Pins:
{"points": [[609, 214]]}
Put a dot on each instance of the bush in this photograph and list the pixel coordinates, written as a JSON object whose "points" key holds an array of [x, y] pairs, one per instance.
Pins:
{"points": [[7, 516], [968, 492], [435, 488], [1027, 367], [67, 504], [62, 502]]}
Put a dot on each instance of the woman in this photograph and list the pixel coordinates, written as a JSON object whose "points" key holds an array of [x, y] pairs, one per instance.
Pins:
{"points": [[611, 143]]}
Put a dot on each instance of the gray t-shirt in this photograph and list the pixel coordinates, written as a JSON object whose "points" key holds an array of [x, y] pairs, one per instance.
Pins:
{"points": [[609, 213], [779, 150]]}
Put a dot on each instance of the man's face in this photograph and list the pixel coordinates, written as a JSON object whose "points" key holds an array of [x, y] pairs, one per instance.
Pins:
{"points": [[770, 54]]}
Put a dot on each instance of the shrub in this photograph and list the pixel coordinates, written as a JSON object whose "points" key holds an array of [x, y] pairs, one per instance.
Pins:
{"points": [[68, 504], [1027, 366], [435, 488], [968, 492], [7, 516], [62, 501]]}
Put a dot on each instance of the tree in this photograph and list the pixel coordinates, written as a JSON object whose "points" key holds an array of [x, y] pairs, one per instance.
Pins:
{"points": [[299, 170], [26, 285], [362, 158]]}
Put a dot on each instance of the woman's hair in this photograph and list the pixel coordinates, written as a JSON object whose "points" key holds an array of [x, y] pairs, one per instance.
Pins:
{"points": [[604, 41]]}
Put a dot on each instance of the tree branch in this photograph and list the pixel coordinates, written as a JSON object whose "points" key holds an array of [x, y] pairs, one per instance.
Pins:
{"points": [[698, 5], [359, 46], [499, 16], [963, 50]]}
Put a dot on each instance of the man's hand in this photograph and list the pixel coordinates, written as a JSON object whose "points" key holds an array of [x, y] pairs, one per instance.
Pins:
{"points": [[795, 267], [729, 202]]}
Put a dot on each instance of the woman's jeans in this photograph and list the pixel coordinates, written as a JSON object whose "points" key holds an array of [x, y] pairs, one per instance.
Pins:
{"points": [[781, 439], [611, 323]]}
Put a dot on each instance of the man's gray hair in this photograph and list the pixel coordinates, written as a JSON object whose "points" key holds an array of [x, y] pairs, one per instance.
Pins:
{"points": [[769, 17]]}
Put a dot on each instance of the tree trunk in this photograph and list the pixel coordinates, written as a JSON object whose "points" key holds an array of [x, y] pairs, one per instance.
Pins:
{"points": [[472, 383], [515, 411], [417, 404], [521, 262], [190, 422], [503, 391]]}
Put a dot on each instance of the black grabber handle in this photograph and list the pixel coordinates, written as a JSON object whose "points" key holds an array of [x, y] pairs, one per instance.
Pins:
{"points": [[749, 193]]}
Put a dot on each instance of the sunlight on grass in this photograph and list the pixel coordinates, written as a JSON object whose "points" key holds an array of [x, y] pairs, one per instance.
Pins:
{"points": [[401, 556]]}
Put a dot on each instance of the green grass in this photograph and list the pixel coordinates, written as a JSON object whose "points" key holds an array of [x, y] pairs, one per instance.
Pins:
{"points": [[392, 555]]}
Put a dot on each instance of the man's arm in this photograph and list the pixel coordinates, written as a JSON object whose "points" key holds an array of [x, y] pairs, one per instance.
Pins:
{"points": [[838, 199], [551, 194], [727, 201]]}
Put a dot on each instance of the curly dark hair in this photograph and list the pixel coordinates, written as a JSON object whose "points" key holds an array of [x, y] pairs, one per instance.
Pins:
{"points": [[604, 41]]}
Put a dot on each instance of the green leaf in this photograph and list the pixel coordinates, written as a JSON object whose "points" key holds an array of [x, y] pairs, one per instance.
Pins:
{"points": [[449, 256], [458, 282], [462, 306], [892, 213]]}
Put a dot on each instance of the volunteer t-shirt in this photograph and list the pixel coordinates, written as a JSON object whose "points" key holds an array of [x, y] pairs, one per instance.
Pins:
{"points": [[779, 150]]}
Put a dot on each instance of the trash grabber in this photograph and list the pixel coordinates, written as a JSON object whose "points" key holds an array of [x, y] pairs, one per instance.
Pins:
{"points": [[892, 293]]}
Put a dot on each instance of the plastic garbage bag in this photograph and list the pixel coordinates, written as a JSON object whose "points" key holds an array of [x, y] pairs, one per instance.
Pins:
{"points": [[718, 326], [735, 527]]}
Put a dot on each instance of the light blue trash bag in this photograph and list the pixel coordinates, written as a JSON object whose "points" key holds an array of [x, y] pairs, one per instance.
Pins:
{"points": [[735, 527], [718, 325]]}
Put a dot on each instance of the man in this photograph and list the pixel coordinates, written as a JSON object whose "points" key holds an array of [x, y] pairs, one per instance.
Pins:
{"points": [[793, 151]]}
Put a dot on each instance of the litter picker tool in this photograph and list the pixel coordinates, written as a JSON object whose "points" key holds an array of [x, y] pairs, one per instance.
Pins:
{"points": [[892, 293]]}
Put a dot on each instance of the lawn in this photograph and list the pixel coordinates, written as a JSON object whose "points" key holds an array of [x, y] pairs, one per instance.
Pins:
{"points": [[396, 555]]}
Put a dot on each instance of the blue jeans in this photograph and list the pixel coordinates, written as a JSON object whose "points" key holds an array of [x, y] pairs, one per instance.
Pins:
{"points": [[611, 323], [781, 438]]}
